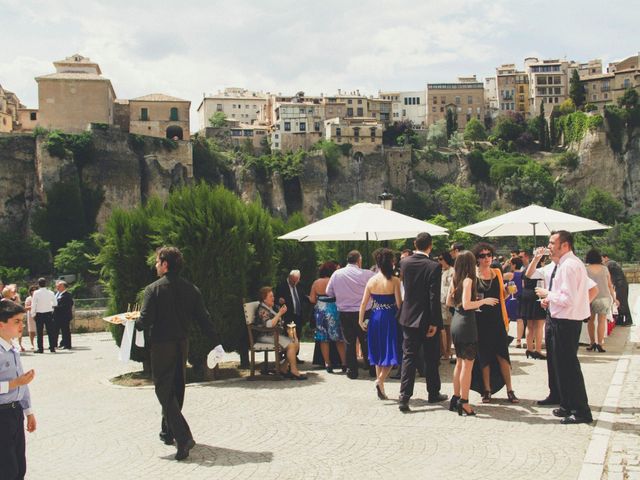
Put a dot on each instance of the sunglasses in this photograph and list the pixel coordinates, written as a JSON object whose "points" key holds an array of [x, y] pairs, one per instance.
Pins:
{"points": [[485, 255]]}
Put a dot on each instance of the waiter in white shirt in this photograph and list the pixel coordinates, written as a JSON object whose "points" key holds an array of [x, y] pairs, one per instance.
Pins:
{"points": [[567, 302], [42, 303]]}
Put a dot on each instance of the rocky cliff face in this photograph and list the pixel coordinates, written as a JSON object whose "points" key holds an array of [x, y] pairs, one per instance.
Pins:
{"points": [[127, 169], [599, 166]]}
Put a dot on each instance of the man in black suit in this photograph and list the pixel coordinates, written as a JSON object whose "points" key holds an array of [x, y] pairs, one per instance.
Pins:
{"points": [[290, 293], [169, 306], [421, 321], [63, 314]]}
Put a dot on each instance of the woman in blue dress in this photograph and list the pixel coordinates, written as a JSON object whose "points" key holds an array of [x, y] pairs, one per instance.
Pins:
{"points": [[384, 289]]}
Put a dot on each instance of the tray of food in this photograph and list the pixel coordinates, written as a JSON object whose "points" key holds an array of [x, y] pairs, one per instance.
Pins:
{"points": [[131, 315]]}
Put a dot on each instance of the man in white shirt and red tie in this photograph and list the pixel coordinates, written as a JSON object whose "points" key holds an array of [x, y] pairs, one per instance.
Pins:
{"points": [[42, 303], [567, 301]]}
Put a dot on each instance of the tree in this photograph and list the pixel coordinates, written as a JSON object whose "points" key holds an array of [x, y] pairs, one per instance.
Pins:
{"points": [[291, 255], [32, 252], [437, 134], [531, 183], [543, 129], [600, 206], [509, 127], [475, 131], [576, 89], [461, 205], [73, 258], [452, 122], [218, 120]]}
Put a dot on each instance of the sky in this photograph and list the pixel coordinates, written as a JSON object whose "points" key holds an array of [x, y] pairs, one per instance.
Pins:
{"points": [[189, 48]]}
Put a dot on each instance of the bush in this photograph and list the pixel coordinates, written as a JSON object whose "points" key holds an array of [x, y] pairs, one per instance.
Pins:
{"points": [[568, 160], [616, 119], [478, 165], [508, 128], [530, 183], [475, 131], [209, 163], [56, 145], [461, 204], [73, 258], [600, 206], [13, 275], [218, 120], [31, 253]]}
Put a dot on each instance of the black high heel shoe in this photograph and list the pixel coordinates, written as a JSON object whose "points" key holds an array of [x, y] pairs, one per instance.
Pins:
{"points": [[511, 396], [591, 347], [530, 353], [462, 411], [599, 348], [453, 403], [540, 356], [381, 394]]}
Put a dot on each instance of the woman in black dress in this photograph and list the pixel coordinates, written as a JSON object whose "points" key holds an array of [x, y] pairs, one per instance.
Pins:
{"points": [[534, 316], [464, 331], [493, 368]]}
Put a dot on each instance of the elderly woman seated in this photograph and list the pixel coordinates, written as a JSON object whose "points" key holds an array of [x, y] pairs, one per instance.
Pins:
{"points": [[266, 316]]}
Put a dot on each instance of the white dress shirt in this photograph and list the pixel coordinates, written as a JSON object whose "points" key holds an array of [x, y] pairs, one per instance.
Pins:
{"points": [[43, 301], [569, 295]]}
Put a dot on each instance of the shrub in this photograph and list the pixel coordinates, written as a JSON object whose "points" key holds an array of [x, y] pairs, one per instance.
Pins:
{"points": [[475, 131], [31, 252], [568, 160], [56, 145], [616, 119], [601, 206], [478, 165], [73, 258], [13, 275]]}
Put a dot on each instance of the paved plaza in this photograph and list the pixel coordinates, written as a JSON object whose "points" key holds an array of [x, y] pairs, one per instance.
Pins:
{"points": [[329, 426]]}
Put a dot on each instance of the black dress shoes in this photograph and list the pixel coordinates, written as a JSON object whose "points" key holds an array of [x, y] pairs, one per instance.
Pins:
{"points": [[403, 406], [353, 375], [573, 419], [166, 438], [561, 412], [440, 397], [548, 401], [183, 450]]}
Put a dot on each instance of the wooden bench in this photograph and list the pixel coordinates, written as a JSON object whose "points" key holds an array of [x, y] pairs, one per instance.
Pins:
{"points": [[250, 309]]}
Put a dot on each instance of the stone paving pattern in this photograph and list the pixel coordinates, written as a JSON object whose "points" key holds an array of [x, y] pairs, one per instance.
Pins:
{"points": [[326, 427]]}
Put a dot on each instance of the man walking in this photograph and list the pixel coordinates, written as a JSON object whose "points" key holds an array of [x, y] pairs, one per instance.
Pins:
{"points": [[421, 321], [43, 302], [347, 286], [567, 302], [63, 314], [168, 308]]}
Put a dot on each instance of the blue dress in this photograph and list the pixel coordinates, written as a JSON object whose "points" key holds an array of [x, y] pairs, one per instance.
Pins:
{"points": [[382, 331], [327, 320]]}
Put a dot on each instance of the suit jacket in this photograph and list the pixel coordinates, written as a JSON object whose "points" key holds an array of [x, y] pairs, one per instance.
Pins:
{"points": [[170, 304], [63, 312], [283, 291], [421, 279]]}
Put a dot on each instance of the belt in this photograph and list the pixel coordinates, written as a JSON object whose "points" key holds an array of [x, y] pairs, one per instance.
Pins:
{"points": [[10, 406]]}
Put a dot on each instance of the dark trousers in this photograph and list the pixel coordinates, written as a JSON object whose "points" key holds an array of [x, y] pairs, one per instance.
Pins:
{"points": [[569, 379], [624, 312], [64, 327], [13, 464], [549, 340], [412, 340], [46, 320], [351, 332], [168, 369]]}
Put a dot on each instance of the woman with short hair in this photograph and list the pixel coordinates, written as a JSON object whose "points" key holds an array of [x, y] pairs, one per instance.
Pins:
{"points": [[267, 317]]}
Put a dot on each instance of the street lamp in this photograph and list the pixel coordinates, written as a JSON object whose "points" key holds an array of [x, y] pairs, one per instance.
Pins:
{"points": [[386, 200]]}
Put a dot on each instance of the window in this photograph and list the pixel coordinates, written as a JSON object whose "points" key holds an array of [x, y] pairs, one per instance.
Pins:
{"points": [[373, 132], [360, 112], [248, 133], [246, 106], [458, 100], [287, 126], [233, 105], [594, 97], [349, 101], [606, 96], [556, 81], [406, 100], [301, 110], [33, 115], [404, 112], [218, 107], [144, 114], [173, 114], [338, 131], [418, 100], [443, 99], [468, 117], [627, 83], [359, 101], [441, 109], [469, 100], [356, 134], [433, 109], [303, 126], [349, 112], [316, 126]]}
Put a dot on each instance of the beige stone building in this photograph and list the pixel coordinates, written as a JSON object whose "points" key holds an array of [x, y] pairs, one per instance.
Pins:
{"points": [[548, 83], [75, 96], [9, 105], [599, 90], [465, 98], [607, 88], [236, 103], [380, 109], [346, 105], [364, 135], [159, 115], [253, 134], [512, 89], [297, 125]]}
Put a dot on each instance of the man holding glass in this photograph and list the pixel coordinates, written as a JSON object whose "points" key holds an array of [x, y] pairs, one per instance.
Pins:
{"points": [[567, 297]]}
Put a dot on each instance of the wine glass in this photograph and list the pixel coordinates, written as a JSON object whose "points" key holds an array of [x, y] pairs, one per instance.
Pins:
{"points": [[512, 288], [480, 297], [540, 284]]}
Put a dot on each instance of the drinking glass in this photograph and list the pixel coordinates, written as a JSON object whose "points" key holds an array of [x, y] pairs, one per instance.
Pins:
{"points": [[480, 297], [512, 288]]}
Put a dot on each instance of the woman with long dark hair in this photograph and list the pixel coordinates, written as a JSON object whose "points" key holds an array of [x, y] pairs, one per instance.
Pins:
{"points": [[381, 330], [464, 331], [327, 317], [493, 369], [601, 305]]}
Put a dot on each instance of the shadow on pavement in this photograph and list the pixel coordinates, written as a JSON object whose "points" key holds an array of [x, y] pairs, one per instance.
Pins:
{"points": [[520, 413], [268, 382], [209, 456]]}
